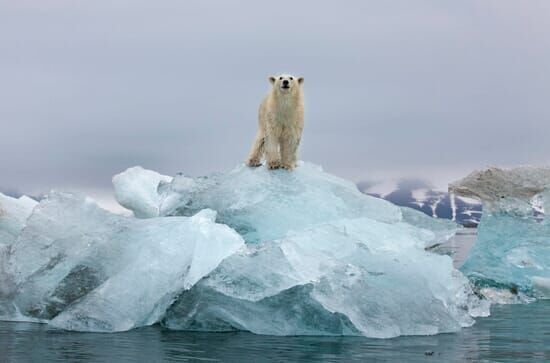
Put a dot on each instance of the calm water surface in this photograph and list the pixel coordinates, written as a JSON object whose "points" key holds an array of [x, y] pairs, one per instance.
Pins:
{"points": [[513, 333]]}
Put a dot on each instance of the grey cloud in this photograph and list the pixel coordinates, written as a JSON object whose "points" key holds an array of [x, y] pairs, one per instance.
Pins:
{"points": [[428, 88]]}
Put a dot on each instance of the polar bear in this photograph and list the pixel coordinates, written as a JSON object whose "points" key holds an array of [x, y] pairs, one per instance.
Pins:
{"points": [[281, 121]]}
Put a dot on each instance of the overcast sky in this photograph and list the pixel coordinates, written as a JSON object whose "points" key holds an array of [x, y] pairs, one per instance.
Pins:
{"points": [[425, 88]]}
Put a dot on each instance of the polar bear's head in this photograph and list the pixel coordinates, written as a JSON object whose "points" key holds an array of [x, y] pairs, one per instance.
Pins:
{"points": [[286, 83]]}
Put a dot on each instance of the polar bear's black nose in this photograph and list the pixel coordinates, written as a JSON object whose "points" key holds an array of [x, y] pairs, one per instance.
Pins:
{"points": [[285, 82]]}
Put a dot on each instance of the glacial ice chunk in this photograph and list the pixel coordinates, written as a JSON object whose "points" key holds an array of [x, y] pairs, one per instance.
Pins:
{"points": [[265, 205], [13, 216], [83, 268], [321, 258], [136, 189], [347, 277], [442, 229], [508, 190], [271, 252], [512, 250]]}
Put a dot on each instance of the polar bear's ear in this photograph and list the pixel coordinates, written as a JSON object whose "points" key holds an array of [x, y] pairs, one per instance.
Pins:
{"points": [[300, 80], [272, 79]]}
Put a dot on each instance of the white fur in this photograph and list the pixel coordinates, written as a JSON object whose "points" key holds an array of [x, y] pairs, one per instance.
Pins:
{"points": [[281, 121]]}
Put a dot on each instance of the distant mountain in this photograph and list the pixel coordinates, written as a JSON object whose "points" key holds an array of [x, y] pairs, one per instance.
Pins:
{"points": [[420, 195]]}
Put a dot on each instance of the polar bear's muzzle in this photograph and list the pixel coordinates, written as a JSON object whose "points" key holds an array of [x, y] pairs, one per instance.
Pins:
{"points": [[285, 84]]}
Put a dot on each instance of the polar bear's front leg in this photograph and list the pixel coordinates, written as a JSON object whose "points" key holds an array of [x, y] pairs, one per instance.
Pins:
{"points": [[255, 156], [272, 152], [289, 148]]}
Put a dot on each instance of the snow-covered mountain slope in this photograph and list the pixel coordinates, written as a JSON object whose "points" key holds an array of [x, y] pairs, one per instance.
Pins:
{"points": [[420, 195]]}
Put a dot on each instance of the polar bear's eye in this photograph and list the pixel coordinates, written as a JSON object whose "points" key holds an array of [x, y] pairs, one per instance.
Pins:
{"points": [[291, 78], [280, 78]]}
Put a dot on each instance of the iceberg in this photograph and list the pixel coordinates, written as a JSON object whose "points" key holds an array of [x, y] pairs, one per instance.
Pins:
{"points": [[330, 281], [13, 215], [136, 190], [510, 261], [321, 258], [270, 252], [82, 268], [263, 205]]}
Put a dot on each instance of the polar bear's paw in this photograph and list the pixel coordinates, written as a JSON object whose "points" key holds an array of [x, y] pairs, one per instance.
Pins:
{"points": [[272, 165], [287, 166], [254, 163]]}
